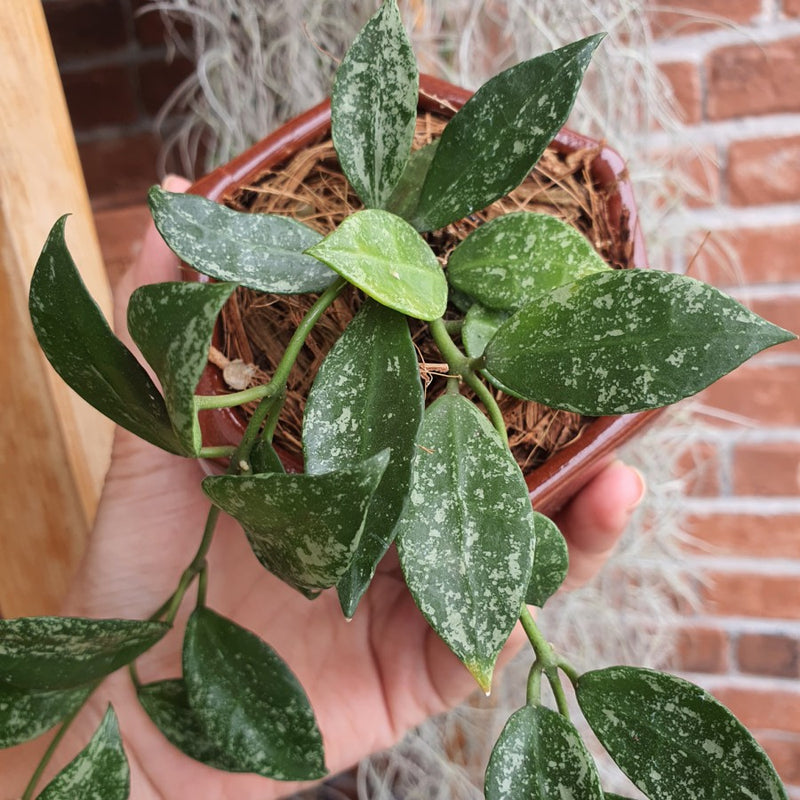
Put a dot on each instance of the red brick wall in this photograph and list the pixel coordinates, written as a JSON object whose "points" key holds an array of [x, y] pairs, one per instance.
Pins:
{"points": [[739, 88]]}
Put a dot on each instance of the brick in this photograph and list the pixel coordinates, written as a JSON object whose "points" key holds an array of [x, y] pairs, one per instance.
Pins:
{"points": [[771, 469], [692, 175], [120, 171], [761, 255], [684, 80], [702, 650], [158, 80], [784, 750], [149, 26], [753, 79], [765, 536], [99, 97], [784, 311], [682, 17], [758, 393], [699, 469], [770, 654], [80, 28], [764, 171], [746, 594], [756, 708]]}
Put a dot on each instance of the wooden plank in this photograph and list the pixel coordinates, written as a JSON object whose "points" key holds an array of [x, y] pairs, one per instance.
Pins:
{"points": [[55, 448]]}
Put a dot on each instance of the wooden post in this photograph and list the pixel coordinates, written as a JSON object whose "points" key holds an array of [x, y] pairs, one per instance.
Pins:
{"points": [[54, 448]]}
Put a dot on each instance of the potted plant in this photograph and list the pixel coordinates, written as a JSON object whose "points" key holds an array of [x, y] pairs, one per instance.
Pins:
{"points": [[524, 307]]}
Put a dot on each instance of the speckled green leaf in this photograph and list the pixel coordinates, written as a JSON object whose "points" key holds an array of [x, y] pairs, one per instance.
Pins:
{"points": [[84, 351], [374, 106], [261, 251], [67, 652], [495, 139], [388, 260], [610, 796], [625, 340], [480, 325], [248, 701], [367, 396], [99, 772], [167, 704], [511, 260], [263, 458], [303, 528], [550, 561], [540, 756], [465, 538], [27, 713], [172, 324], [673, 739], [405, 198]]}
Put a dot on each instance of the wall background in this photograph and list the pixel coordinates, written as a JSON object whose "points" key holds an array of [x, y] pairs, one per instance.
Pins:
{"points": [[734, 68]]}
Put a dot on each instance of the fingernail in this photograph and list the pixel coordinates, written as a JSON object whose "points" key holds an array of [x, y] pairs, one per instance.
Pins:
{"points": [[640, 491], [172, 183]]}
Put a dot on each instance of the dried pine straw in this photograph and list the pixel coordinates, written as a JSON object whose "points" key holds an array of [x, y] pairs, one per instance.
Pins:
{"points": [[311, 188]]}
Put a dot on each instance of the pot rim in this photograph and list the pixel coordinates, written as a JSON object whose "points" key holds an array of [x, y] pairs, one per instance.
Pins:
{"points": [[552, 483]]}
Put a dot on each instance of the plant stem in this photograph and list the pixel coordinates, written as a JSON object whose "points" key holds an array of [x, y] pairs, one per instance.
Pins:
{"points": [[51, 748], [223, 451], [208, 401], [558, 691], [533, 694]]}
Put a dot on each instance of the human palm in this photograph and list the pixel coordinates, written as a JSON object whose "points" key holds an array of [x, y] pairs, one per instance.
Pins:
{"points": [[369, 680]]}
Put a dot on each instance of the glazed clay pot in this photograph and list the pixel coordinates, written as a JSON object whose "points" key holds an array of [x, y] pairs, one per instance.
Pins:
{"points": [[555, 481]]}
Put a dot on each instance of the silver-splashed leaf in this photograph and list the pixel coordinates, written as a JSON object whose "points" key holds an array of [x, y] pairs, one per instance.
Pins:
{"points": [[540, 756], [465, 538], [67, 652], [367, 396], [28, 713], [99, 772], [673, 739], [511, 260], [550, 562], [248, 701], [374, 106], [172, 324], [260, 251], [387, 259], [498, 135], [405, 198], [625, 340], [84, 351], [303, 528]]}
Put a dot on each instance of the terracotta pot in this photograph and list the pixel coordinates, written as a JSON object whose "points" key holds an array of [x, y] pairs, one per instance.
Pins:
{"points": [[555, 481]]}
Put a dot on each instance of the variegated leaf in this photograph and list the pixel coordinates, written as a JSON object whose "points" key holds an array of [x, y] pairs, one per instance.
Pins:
{"points": [[260, 251], [172, 324], [28, 713], [248, 702], [465, 538], [540, 756], [374, 106], [498, 135], [625, 340], [303, 528], [387, 259], [367, 396], [673, 739], [511, 260], [550, 562]]}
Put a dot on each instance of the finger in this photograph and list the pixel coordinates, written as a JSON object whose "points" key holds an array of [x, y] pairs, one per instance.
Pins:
{"points": [[595, 518]]}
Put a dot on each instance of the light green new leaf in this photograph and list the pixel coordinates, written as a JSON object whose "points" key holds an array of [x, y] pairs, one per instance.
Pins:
{"points": [[625, 340], [511, 260], [540, 756], [84, 351], [26, 713], [248, 701], [167, 704], [367, 397], [465, 538], [550, 561], [67, 652], [302, 528], [387, 259], [673, 739], [480, 325], [374, 106], [172, 324], [405, 198], [260, 251], [498, 135], [99, 772]]}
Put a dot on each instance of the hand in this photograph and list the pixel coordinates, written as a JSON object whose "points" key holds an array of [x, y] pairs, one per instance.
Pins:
{"points": [[368, 680]]}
